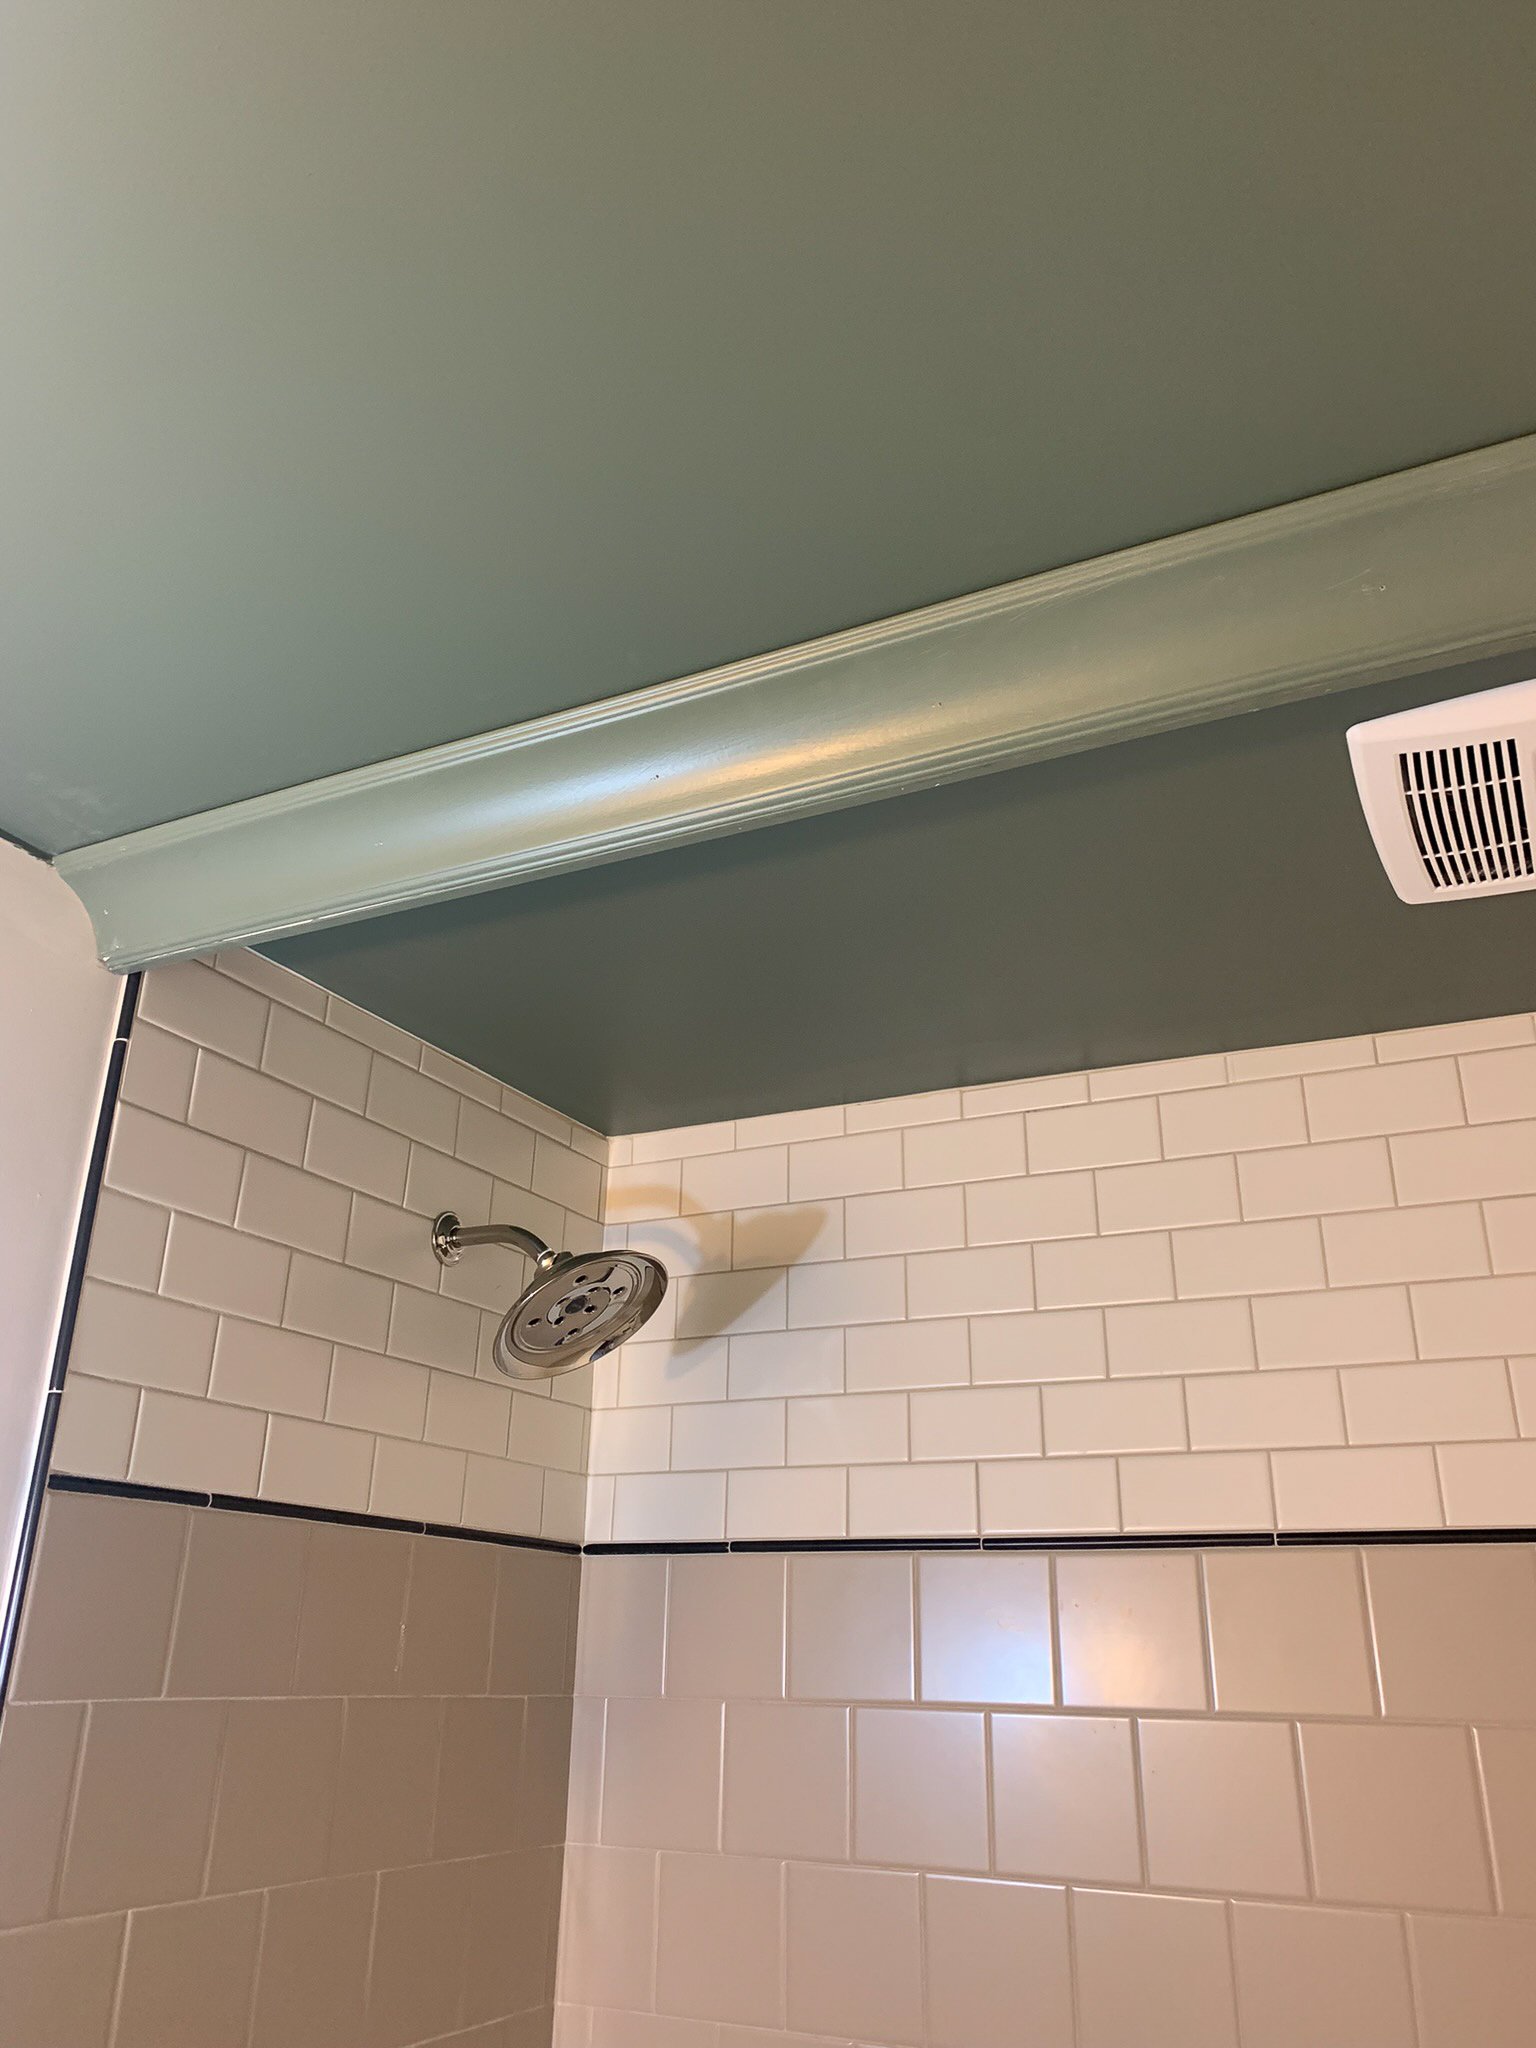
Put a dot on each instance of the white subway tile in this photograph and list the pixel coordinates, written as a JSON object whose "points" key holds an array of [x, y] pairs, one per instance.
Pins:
{"points": [[372, 1031], [97, 1419], [589, 1143], [469, 1415], [1196, 1491], [499, 1494], [912, 1500], [889, 1356], [565, 1504], [669, 1507], [1249, 1258], [790, 1126], [391, 1241], [1500, 1086], [1356, 1489], [1432, 1039], [652, 1375], [563, 1176], [896, 1112], [127, 1240], [797, 1505], [1166, 1194], [428, 1329], [979, 1148], [1093, 1134], [316, 1465], [847, 1429], [1489, 1486], [718, 1304], [631, 1440], [462, 1078], [250, 1109], [1049, 1497], [313, 1057], [1443, 1243], [548, 1433], [295, 1208], [545, 1219], [184, 1441], [786, 1362], [1346, 1326], [411, 1480], [982, 1280], [1522, 1377], [1450, 1166], [256, 1366], [1316, 1180], [1059, 1344], [734, 1180], [1041, 1091], [406, 1101], [210, 1009], [1511, 1229], [214, 1267], [1456, 1400], [1158, 1077], [599, 1517], [1087, 1416], [1084, 1272], [1265, 1410], [328, 1300], [487, 1139], [1243, 1116], [910, 1220], [158, 1072], [537, 1116], [787, 1236], [1423, 1095], [827, 1167], [370, 1391], [637, 1193], [478, 1282], [357, 1153], [1027, 1208], [846, 1291], [268, 979], [976, 1423], [434, 1182], [167, 1163], [121, 1334], [712, 1436], [1320, 1056], [1462, 1318], [684, 1143], [1179, 1337]]}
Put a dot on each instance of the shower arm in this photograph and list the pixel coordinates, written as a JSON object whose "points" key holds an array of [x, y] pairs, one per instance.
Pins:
{"points": [[451, 1238]]}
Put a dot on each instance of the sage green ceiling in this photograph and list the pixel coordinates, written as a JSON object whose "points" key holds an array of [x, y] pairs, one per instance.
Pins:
{"points": [[1198, 891], [382, 371]]}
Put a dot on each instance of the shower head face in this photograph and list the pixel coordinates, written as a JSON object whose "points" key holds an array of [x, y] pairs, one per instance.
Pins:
{"points": [[580, 1307]]}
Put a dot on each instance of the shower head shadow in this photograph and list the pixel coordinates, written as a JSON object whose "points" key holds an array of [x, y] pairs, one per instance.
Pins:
{"points": [[578, 1305]]}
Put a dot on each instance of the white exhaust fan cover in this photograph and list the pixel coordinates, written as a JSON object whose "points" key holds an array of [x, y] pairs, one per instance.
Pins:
{"points": [[1450, 794]]}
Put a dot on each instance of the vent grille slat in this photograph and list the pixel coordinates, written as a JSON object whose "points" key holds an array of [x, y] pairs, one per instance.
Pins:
{"points": [[1466, 809]]}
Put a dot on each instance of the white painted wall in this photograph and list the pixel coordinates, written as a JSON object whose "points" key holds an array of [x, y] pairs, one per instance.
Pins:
{"points": [[57, 1007]]}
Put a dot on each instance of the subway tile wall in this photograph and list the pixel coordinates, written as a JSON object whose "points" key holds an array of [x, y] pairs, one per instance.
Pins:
{"points": [[1244, 1799], [262, 1312], [1291, 1288]]}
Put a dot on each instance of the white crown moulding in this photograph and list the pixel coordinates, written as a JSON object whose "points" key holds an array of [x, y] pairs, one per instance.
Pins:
{"points": [[1387, 578]]}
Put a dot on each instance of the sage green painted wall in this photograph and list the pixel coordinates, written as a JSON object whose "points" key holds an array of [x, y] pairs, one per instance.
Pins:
{"points": [[1199, 891], [383, 371]]}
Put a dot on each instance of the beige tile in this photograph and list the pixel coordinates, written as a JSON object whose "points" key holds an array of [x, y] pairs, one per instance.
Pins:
{"points": [[256, 1366], [1196, 1777], [1500, 1086], [998, 1965], [509, 1965], [1358, 1488], [188, 1975], [984, 1629], [1428, 1403], [912, 1500], [1288, 1632], [478, 1793], [1064, 1798], [316, 1464], [725, 1627], [1048, 1496], [1476, 1981], [850, 1628], [237, 1619], [127, 1240], [920, 1788], [1511, 1234], [1198, 1490], [1030, 1207], [354, 1605], [394, 1744], [419, 1945], [1455, 1165], [295, 1208], [1394, 1816], [143, 1804], [38, 1747], [98, 1615], [1489, 1485], [1455, 1631], [1152, 1972], [608, 1928], [57, 1982], [786, 1780], [165, 1162], [313, 1981], [544, 1771], [1131, 1633], [661, 1774], [976, 1422], [275, 1792], [1479, 1318], [1507, 1759], [186, 1442], [1306, 1974], [142, 1338], [720, 1939], [854, 1954], [448, 1609], [623, 1622], [1061, 1344], [532, 1640]]}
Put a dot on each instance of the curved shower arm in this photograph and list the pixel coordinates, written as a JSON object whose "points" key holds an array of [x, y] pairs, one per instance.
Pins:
{"points": [[450, 1238]]}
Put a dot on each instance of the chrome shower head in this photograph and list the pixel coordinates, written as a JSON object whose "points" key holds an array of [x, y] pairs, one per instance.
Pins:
{"points": [[578, 1305]]}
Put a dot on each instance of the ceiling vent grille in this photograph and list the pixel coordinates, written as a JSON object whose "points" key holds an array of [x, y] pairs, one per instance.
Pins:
{"points": [[1445, 791]]}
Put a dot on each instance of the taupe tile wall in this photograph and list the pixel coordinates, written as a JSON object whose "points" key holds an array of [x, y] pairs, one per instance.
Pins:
{"points": [[1250, 1799], [1292, 1289], [263, 1314], [273, 1784]]}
